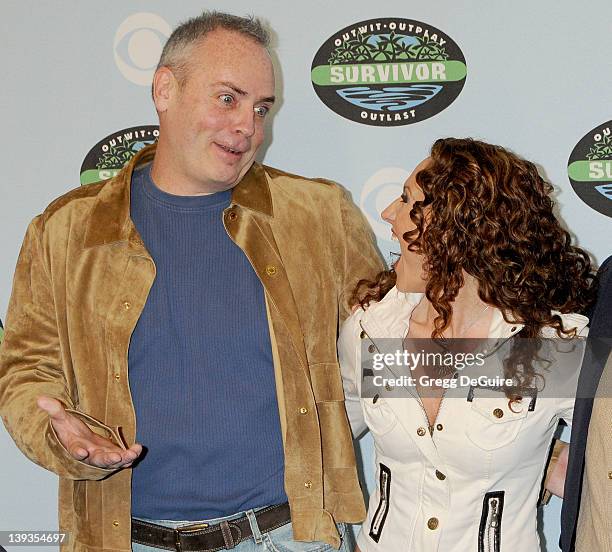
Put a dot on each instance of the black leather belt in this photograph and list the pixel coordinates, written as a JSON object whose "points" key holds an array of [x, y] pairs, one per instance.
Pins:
{"points": [[202, 537]]}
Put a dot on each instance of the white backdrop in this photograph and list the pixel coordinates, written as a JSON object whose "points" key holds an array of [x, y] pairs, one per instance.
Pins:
{"points": [[538, 80]]}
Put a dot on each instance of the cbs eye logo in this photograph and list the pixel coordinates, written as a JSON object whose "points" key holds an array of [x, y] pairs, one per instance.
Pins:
{"points": [[138, 43]]}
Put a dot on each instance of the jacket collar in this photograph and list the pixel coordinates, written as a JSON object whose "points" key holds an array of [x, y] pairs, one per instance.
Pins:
{"points": [[390, 317], [110, 222], [253, 191]]}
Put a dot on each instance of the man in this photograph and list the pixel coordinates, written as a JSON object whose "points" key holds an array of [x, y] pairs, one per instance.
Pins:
{"points": [[586, 518], [220, 284]]}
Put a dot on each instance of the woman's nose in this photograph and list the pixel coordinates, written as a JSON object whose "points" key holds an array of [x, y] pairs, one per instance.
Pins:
{"points": [[388, 213]]}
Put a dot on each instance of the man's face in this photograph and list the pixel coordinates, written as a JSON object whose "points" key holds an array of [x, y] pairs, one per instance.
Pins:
{"points": [[212, 124]]}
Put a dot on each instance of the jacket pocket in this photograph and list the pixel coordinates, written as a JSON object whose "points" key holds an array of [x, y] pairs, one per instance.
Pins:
{"points": [[378, 416], [493, 424], [380, 516], [489, 532]]}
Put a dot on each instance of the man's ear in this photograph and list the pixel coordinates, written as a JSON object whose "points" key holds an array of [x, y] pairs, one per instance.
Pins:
{"points": [[164, 86]]}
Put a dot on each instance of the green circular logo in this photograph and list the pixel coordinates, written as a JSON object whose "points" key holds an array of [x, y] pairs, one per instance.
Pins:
{"points": [[388, 72], [590, 169], [112, 153]]}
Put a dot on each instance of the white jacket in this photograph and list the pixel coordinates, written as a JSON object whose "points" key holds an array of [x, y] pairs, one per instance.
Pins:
{"points": [[473, 485]]}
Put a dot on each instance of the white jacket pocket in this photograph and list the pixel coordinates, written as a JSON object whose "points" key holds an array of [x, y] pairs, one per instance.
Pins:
{"points": [[379, 415], [492, 424]]}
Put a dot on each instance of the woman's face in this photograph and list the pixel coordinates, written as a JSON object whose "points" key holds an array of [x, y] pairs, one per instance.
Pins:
{"points": [[409, 267]]}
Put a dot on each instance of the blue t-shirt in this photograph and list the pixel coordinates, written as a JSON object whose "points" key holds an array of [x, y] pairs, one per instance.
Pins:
{"points": [[200, 367]]}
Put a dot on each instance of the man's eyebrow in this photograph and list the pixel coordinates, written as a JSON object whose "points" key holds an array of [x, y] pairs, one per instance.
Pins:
{"points": [[227, 84], [240, 92]]}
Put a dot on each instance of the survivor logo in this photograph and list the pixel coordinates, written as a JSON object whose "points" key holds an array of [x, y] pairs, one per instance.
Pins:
{"points": [[388, 72], [590, 169], [112, 153]]}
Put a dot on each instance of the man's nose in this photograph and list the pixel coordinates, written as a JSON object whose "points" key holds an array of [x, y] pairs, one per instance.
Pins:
{"points": [[245, 121]]}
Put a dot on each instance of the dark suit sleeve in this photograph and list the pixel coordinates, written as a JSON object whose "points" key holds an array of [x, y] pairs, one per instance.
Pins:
{"points": [[601, 312], [600, 326]]}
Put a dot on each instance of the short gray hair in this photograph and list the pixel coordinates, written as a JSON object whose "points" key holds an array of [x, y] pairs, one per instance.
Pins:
{"points": [[195, 29]]}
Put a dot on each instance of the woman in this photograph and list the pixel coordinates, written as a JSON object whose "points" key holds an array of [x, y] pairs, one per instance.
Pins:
{"points": [[482, 256]]}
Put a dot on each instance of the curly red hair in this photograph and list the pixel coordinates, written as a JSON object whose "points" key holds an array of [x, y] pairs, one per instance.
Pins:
{"points": [[489, 213]]}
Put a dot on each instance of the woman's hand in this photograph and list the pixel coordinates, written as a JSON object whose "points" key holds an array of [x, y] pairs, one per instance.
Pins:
{"points": [[558, 469]]}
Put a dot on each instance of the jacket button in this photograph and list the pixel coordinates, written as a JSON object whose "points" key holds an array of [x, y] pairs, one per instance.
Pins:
{"points": [[498, 413], [115, 523], [303, 410], [127, 305], [117, 377], [433, 523], [440, 475], [371, 349], [421, 431], [308, 484], [362, 335], [271, 270], [610, 475], [232, 216], [439, 427]]}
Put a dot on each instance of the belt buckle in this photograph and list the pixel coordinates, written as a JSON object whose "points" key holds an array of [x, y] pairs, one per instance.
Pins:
{"points": [[186, 529]]}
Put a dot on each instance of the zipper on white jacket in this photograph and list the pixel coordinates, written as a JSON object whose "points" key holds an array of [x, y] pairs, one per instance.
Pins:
{"points": [[378, 520], [489, 533], [415, 395]]}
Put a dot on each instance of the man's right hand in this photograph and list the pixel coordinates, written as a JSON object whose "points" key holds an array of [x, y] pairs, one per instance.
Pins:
{"points": [[82, 443]]}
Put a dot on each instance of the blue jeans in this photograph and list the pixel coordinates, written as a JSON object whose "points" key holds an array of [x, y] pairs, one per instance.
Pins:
{"points": [[278, 540]]}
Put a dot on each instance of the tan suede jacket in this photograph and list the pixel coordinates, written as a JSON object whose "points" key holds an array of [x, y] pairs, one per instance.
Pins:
{"points": [[81, 282]]}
